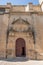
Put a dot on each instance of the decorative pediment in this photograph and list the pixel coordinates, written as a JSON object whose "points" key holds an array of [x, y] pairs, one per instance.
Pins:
{"points": [[20, 21], [20, 25]]}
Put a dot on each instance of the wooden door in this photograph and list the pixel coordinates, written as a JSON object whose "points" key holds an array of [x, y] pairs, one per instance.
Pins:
{"points": [[20, 47]]}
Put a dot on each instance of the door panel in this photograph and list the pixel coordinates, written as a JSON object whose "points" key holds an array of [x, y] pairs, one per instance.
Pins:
{"points": [[20, 44]]}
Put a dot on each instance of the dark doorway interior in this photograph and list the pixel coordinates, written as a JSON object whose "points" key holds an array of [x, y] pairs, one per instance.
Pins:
{"points": [[20, 48], [23, 51]]}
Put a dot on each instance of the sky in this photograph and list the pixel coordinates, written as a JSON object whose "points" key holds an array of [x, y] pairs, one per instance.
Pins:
{"points": [[18, 2]]}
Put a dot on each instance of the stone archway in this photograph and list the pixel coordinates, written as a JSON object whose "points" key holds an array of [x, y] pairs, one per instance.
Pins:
{"points": [[20, 48]]}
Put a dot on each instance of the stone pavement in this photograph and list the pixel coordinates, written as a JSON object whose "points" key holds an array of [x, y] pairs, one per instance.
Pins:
{"points": [[20, 61]]}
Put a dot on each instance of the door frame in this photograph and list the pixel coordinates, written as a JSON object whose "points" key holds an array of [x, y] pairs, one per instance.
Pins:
{"points": [[16, 47]]}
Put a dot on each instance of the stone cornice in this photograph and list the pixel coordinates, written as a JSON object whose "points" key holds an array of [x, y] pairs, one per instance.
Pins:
{"points": [[22, 13], [40, 13]]}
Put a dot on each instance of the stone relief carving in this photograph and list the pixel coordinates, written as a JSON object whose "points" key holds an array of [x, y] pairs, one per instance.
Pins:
{"points": [[20, 25]]}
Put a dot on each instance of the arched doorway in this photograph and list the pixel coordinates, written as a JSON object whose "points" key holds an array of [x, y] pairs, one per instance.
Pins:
{"points": [[20, 48]]}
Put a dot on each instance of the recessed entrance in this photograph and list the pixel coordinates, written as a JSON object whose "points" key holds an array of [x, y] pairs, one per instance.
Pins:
{"points": [[20, 48]]}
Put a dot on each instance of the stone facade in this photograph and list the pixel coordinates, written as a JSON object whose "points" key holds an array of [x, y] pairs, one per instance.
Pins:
{"points": [[24, 22]]}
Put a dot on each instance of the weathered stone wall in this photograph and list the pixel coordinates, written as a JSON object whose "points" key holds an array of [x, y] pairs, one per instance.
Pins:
{"points": [[36, 20]]}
